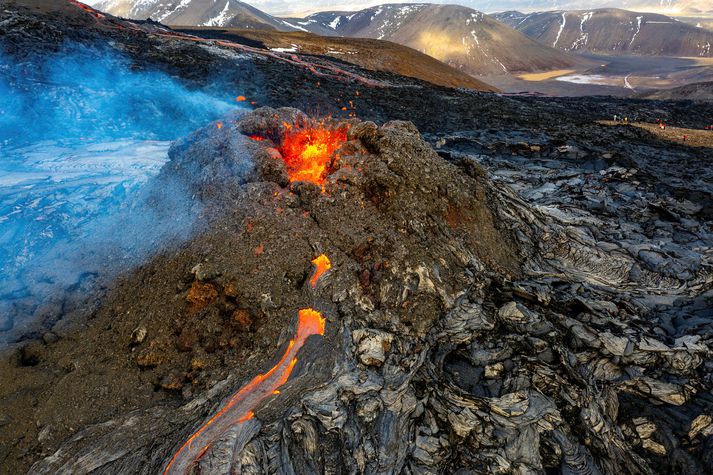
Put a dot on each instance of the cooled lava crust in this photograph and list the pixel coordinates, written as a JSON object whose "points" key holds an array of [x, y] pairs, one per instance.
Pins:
{"points": [[444, 361]]}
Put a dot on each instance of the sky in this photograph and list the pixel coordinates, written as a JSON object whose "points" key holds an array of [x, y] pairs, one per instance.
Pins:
{"points": [[292, 7], [305, 7], [283, 7]]}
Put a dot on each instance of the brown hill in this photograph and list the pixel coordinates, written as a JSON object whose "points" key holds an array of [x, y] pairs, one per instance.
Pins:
{"points": [[367, 53], [696, 92]]}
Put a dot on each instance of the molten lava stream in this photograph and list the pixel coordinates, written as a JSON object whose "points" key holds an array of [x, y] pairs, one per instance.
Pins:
{"points": [[321, 265], [240, 406]]}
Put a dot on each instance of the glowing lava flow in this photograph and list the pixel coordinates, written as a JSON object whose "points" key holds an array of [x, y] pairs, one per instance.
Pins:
{"points": [[321, 265], [239, 408], [308, 152], [98, 15]]}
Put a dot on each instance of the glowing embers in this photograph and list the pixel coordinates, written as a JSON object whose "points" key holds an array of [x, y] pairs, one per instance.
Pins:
{"points": [[321, 265], [308, 152]]}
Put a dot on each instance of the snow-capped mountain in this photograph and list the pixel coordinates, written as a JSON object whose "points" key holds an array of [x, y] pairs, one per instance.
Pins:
{"points": [[221, 13], [459, 36], [668, 7], [613, 31], [284, 8]]}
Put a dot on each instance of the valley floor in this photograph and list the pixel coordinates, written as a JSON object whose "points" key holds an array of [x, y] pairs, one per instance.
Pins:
{"points": [[622, 75]]}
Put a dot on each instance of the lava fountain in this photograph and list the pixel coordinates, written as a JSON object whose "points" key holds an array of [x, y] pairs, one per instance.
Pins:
{"points": [[241, 405], [309, 152]]}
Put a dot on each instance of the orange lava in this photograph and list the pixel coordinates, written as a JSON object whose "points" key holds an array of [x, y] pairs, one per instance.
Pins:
{"points": [[321, 265], [240, 406], [310, 322], [87, 8], [308, 152]]}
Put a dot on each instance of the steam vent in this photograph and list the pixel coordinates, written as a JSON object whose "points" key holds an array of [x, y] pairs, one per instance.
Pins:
{"points": [[346, 270]]}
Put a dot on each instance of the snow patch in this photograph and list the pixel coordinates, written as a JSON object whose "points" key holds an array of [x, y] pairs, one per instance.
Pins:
{"points": [[638, 29], [222, 18], [335, 23], [181, 6], [583, 37], [584, 79], [559, 33], [292, 49], [627, 84], [293, 25]]}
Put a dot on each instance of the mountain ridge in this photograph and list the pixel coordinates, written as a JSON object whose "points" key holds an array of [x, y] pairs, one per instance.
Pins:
{"points": [[613, 31], [460, 36], [219, 13]]}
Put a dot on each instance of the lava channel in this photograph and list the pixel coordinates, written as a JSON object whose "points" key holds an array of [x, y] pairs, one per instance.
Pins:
{"points": [[95, 13], [321, 265], [240, 406]]}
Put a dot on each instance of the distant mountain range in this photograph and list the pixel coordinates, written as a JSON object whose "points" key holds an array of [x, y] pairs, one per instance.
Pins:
{"points": [[459, 36], [223, 13], [669, 7], [286, 8], [613, 31], [462, 37], [477, 44]]}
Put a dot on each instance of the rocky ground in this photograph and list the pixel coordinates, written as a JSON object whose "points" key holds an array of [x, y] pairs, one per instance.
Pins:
{"points": [[523, 288]]}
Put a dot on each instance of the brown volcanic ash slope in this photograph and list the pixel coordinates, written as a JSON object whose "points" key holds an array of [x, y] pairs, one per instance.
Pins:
{"points": [[375, 55], [195, 12], [702, 91], [613, 31], [462, 37]]}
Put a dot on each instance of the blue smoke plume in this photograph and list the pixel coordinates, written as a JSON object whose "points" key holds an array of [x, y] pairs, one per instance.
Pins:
{"points": [[82, 133]]}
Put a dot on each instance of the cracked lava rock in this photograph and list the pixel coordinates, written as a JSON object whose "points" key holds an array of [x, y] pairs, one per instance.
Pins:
{"points": [[459, 337], [535, 297]]}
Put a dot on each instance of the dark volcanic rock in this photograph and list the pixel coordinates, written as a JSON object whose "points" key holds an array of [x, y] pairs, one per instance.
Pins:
{"points": [[535, 297], [461, 349]]}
